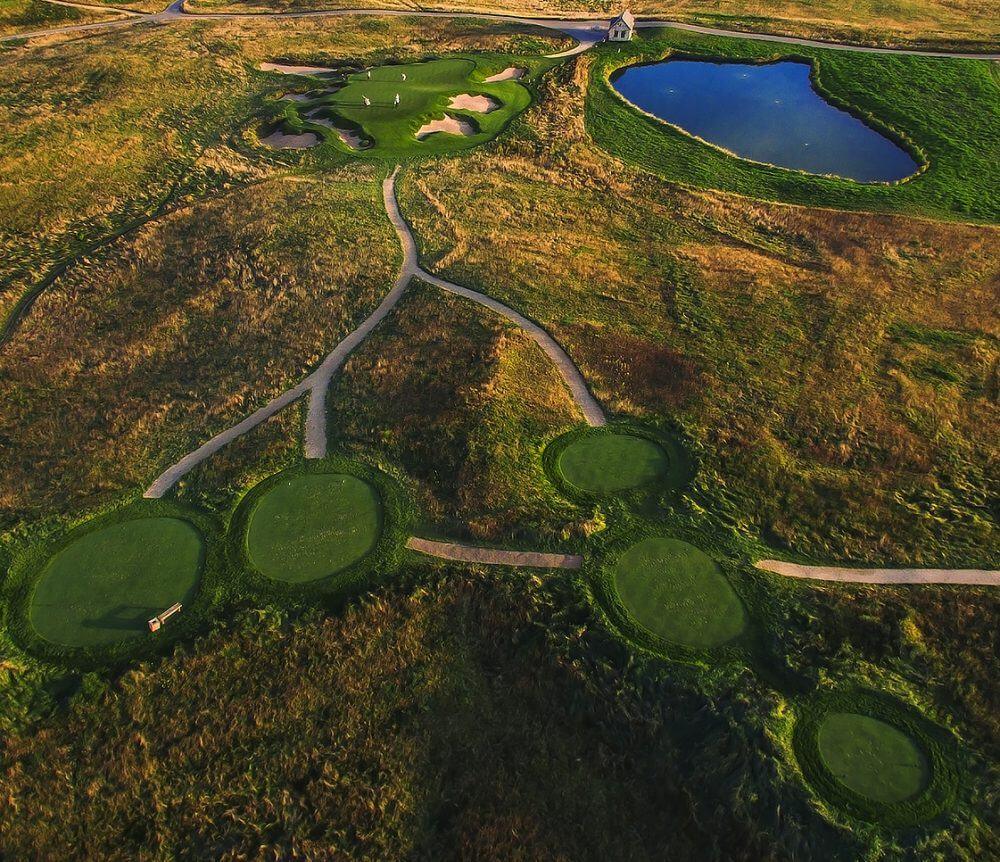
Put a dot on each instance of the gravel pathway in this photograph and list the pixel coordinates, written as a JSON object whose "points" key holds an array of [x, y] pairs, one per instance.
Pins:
{"points": [[316, 385], [571, 375], [981, 577], [587, 32], [316, 419], [494, 556]]}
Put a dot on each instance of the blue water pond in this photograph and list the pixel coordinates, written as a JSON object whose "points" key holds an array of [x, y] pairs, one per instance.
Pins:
{"points": [[768, 113]]}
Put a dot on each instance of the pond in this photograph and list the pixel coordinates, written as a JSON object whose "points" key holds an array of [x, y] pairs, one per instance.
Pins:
{"points": [[768, 113]]}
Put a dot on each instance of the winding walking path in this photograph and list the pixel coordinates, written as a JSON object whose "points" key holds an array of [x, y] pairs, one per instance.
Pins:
{"points": [[494, 556], [981, 577], [317, 384], [571, 375], [588, 32]]}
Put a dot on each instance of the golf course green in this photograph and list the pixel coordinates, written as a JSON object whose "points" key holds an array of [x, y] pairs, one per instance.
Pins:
{"points": [[872, 758], [362, 114], [105, 585], [678, 593], [606, 463], [308, 527]]}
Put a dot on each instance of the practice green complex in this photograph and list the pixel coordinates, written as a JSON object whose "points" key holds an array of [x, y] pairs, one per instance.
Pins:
{"points": [[104, 586], [408, 110], [678, 594], [308, 527], [871, 757]]}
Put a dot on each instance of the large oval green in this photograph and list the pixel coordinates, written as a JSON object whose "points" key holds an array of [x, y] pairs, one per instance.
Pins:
{"points": [[872, 758], [104, 586], [605, 463], [678, 593], [311, 526]]}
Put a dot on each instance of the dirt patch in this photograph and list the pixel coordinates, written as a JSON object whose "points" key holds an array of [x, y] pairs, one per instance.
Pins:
{"points": [[494, 556], [511, 73], [449, 125], [479, 104], [286, 69], [281, 141]]}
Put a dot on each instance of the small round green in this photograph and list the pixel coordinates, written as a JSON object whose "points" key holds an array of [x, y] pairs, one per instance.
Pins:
{"points": [[871, 757], [678, 593], [608, 463], [308, 527], [104, 586]]}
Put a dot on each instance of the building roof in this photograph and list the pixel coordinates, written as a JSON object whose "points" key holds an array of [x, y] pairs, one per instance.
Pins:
{"points": [[626, 18]]}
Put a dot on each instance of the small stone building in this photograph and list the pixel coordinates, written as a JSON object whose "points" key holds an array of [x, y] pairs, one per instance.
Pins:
{"points": [[622, 28]]}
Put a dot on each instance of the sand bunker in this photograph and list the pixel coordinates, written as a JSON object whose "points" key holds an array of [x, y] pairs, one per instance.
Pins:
{"points": [[350, 137], [479, 104], [286, 69], [449, 125], [511, 73], [281, 141], [296, 97]]}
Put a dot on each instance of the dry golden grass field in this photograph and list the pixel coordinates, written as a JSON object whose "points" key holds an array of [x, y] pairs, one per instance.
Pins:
{"points": [[834, 375], [972, 23], [842, 363]]}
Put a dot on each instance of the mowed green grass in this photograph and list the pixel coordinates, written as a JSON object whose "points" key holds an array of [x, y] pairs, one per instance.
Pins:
{"points": [[425, 94], [871, 757], [313, 526], [605, 463], [678, 593], [104, 586]]}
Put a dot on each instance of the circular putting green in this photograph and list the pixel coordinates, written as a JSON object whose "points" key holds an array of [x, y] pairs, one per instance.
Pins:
{"points": [[677, 593], [607, 463], [872, 758], [311, 526], [104, 586]]}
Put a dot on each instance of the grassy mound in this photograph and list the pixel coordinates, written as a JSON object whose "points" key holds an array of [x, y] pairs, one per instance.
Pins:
{"points": [[871, 757], [425, 91], [608, 463], [875, 758], [309, 527], [590, 463], [677, 593], [105, 585]]}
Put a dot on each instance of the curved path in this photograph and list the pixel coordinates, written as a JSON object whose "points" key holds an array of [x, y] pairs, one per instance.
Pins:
{"points": [[494, 556], [317, 384], [981, 577], [587, 32], [99, 7], [571, 375]]}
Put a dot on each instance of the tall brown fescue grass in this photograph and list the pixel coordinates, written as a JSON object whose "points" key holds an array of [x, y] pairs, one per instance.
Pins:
{"points": [[965, 23], [177, 333], [839, 367], [464, 401]]}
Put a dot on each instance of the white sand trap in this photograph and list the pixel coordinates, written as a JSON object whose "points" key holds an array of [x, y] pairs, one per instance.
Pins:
{"points": [[511, 73], [296, 97], [285, 69], [351, 138], [479, 104], [282, 141], [449, 125]]}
